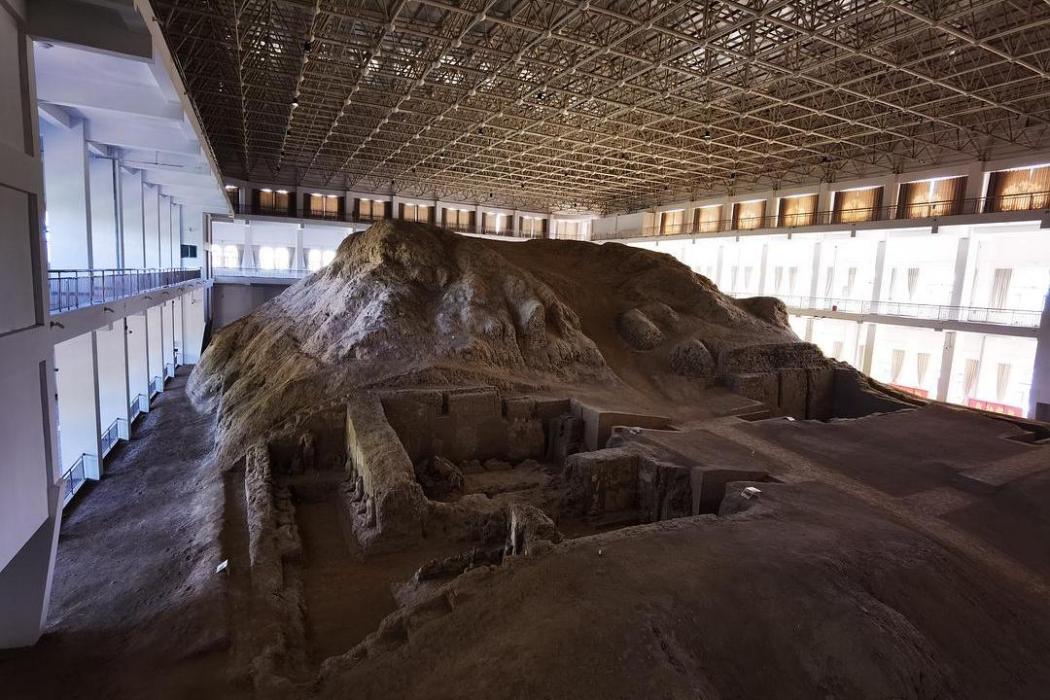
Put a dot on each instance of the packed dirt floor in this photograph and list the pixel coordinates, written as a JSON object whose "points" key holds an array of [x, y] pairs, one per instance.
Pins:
{"points": [[136, 607]]}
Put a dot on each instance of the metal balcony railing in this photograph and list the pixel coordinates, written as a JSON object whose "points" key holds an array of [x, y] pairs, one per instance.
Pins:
{"points": [[287, 273], [75, 477], [110, 438], [139, 405], [1031, 201], [74, 289], [1026, 318]]}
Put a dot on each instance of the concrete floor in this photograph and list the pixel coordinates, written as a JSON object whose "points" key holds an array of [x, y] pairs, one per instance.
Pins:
{"points": [[137, 609]]}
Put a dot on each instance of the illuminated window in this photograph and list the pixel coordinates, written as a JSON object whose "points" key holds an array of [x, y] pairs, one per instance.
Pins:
{"points": [[314, 260], [266, 258], [230, 257], [328, 257], [282, 258]]}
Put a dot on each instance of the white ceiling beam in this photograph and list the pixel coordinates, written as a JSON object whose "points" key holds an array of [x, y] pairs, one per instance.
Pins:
{"points": [[136, 134], [131, 100]]}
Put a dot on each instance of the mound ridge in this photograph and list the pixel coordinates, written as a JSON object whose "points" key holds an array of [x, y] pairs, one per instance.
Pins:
{"points": [[409, 302]]}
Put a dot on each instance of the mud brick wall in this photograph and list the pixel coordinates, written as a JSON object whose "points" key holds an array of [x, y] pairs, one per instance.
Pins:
{"points": [[395, 506], [475, 423]]}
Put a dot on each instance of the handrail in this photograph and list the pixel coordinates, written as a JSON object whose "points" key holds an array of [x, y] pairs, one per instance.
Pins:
{"points": [[156, 386], [75, 477], [138, 406], [261, 272], [74, 289], [1026, 318], [110, 438], [1029, 201]]}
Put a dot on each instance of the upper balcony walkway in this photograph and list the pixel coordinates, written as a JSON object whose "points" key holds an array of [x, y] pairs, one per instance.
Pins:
{"points": [[76, 289], [1004, 207]]}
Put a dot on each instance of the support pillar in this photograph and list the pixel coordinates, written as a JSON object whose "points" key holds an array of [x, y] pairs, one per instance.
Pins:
{"points": [[880, 266], [67, 196], [1039, 398], [947, 357]]}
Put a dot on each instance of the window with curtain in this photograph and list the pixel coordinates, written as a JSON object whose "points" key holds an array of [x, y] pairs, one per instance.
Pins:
{"points": [[707, 219], [749, 215], [1002, 381], [1000, 287], [798, 211], [896, 365], [530, 227], [732, 278], [459, 219], [913, 282], [322, 206], [371, 209], [1019, 190], [792, 279], [851, 280], [273, 201], [857, 205], [747, 277], [836, 349], [494, 223], [327, 257], [922, 365], [569, 230], [231, 257], [970, 371], [313, 260], [937, 197], [893, 284], [829, 281], [778, 277], [672, 222], [416, 212]]}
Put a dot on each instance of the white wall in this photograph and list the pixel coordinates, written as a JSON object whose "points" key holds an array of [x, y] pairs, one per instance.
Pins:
{"points": [[151, 217], [66, 195], [132, 221], [111, 364], [138, 368], [155, 347], [77, 408], [193, 321], [104, 240]]}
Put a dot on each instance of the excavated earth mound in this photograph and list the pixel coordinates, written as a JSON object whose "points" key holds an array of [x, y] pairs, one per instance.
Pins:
{"points": [[406, 303]]}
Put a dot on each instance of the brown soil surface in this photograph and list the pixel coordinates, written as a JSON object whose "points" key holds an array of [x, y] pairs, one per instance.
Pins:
{"points": [[137, 609]]}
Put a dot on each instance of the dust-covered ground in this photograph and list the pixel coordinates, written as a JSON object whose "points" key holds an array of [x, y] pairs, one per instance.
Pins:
{"points": [[137, 609]]}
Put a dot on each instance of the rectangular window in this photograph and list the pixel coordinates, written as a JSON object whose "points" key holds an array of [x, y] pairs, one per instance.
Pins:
{"points": [[749, 215], [1000, 287], [322, 206], [371, 209], [530, 227], [708, 219], [852, 206], [927, 198], [798, 211], [672, 222], [459, 219], [1019, 190], [417, 212]]}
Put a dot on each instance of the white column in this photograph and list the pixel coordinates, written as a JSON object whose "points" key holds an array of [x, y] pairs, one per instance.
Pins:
{"points": [[105, 238], [132, 218], [947, 355], [1039, 397], [138, 357], [814, 281], [66, 196], [299, 261], [151, 225], [248, 258], [111, 366], [880, 265], [77, 403], [762, 269]]}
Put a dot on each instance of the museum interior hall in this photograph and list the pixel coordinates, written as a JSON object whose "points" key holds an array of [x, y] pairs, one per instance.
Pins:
{"points": [[525, 349]]}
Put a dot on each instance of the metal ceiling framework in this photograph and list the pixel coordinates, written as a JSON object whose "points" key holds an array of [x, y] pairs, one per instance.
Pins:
{"points": [[607, 105]]}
